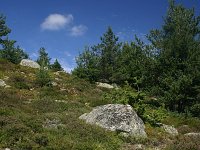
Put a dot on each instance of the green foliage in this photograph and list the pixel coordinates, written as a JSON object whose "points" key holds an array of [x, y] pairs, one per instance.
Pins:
{"points": [[42, 140], [178, 57], [108, 51], [56, 66], [9, 51], [125, 95], [19, 81], [149, 109], [151, 114], [43, 78], [43, 60], [12, 53], [99, 62], [195, 110], [4, 30], [87, 65]]}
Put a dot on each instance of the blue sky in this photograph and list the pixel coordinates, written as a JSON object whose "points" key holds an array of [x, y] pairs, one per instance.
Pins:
{"points": [[65, 27]]}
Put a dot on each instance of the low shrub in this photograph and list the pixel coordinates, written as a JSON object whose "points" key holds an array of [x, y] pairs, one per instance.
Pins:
{"points": [[185, 143], [19, 81], [195, 110], [43, 78], [150, 110]]}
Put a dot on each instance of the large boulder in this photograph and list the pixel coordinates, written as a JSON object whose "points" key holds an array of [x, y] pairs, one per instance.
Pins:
{"points": [[29, 63], [116, 117]]}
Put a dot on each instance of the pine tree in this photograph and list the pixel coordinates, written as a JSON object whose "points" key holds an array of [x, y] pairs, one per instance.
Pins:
{"points": [[4, 30], [178, 54], [56, 66], [12, 53], [43, 60], [8, 50], [108, 51], [87, 65]]}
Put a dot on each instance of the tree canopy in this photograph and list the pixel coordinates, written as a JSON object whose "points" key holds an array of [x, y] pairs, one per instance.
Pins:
{"points": [[167, 67]]}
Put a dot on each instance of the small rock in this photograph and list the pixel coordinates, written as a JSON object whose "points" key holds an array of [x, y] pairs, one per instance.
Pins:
{"points": [[57, 79], [139, 147], [6, 78], [52, 124], [63, 89], [54, 83], [60, 101], [192, 134], [7, 149], [104, 85], [31, 89], [2, 83], [29, 63], [7, 86], [56, 73], [170, 129]]}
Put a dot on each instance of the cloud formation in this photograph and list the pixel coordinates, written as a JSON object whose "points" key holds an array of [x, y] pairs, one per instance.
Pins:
{"points": [[56, 22], [78, 30]]}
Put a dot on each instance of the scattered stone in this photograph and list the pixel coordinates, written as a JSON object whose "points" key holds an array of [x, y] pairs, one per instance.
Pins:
{"points": [[104, 85], [170, 129], [138, 147], [54, 83], [56, 73], [60, 101], [31, 89], [133, 147], [57, 79], [2, 83], [6, 78], [116, 117], [7, 86], [22, 73], [192, 134], [7, 149], [63, 89], [87, 104], [52, 124], [29, 63]]}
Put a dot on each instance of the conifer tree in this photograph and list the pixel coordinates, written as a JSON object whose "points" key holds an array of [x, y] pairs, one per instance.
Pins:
{"points": [[56, 66], [178, 56], [108, 51], [44, 59], [4, 30]]}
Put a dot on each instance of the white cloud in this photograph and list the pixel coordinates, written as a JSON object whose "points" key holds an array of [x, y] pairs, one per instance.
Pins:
{"points": [[78, 30], [56, 21]]}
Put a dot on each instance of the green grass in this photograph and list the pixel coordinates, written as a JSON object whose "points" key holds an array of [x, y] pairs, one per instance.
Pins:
{"points": [[25, 109]]}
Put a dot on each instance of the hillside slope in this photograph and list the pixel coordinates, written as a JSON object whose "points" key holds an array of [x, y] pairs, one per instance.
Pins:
{"points": [[34, 117]]}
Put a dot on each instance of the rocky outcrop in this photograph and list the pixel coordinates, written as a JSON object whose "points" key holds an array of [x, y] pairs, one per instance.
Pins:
{"points": [[29, 63], [116, 117], [170, 129]]}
